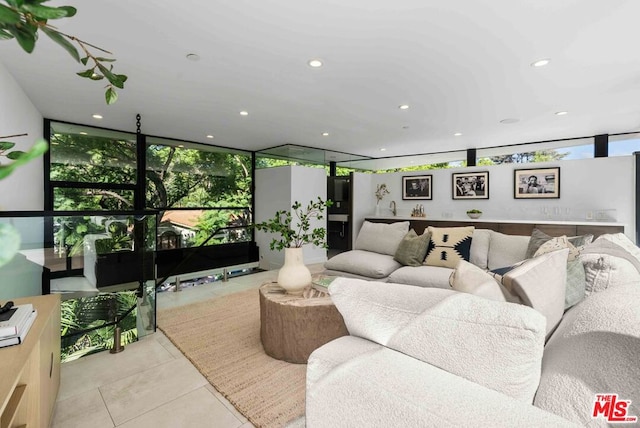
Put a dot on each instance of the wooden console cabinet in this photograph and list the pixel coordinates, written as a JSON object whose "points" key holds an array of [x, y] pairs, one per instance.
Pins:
{"points": [[30, 372]]}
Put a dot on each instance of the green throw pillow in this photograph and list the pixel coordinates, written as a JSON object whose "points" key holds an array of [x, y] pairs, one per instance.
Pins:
{"points": [[412, 249]]}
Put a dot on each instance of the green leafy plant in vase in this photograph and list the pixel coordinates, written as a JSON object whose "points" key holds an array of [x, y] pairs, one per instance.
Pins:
{"points": [[292, 233]]}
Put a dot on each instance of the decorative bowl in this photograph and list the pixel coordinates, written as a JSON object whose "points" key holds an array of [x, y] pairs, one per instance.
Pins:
{"points": [[474, 215]]}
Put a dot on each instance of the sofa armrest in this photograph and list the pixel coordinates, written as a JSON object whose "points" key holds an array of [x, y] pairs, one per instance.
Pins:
{"points": [[386, 388]]}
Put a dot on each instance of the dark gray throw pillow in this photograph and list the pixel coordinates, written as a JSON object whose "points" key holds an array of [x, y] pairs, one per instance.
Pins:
{"points": [[412, 249]]}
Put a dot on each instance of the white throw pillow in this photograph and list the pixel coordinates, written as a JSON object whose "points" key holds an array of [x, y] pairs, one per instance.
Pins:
{"points": [[541, 283], [468, 278], [363, 263], [381, 238]]}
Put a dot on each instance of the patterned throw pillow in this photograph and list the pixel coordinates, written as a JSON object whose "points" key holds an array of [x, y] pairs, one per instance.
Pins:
{"points": [[412, 249], [558, 243], [448, 245], [538, 238]]}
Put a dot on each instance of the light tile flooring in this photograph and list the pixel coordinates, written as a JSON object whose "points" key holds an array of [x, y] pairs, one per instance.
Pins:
{"points": [[150, 384]]}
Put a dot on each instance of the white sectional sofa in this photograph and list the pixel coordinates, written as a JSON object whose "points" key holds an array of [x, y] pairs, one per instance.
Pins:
{"points": [[436, 358], [472, 348]]}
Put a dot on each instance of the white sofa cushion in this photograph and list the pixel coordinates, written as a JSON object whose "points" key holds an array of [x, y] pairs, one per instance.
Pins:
{"points": [[541, 283], [603, 271], [480, 248], [381, 237], [385, 388], [498, 345], [332, 354], [469, 278], [609, 261], [422, 276], [506, 250], [594, 351], [365, 263]]}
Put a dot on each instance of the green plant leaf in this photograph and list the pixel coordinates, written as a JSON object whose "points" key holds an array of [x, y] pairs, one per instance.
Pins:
{"points": [[87, 73], [5, 35], [111, 96], [71, 11], [46, 12], [26, 39], [8, 15], [38, 149], [95, 76], [15, 3], [17, 154], [6, 145], [102, 59], [84, 60], [62, 41]]}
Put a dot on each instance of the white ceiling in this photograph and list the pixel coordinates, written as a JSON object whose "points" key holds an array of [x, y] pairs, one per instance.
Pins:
{"points": [[461, 65]]}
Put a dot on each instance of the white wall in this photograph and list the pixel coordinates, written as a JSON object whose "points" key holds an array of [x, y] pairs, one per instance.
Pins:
{"points": [[586, 186], [363, 202], [23, 189], [277, 189]]}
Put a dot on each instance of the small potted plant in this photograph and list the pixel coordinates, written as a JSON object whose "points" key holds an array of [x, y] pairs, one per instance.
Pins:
{"points": [[294, 276], [474, 213]]}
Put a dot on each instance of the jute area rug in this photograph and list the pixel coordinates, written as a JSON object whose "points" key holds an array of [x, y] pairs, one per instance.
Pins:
{"points": [[221, 337]]}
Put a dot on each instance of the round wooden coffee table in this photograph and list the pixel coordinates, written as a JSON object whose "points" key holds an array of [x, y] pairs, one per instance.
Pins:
{"points": [[293, 326]]}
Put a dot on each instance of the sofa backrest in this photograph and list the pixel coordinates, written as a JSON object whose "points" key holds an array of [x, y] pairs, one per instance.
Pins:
{"points": [[506, 250]]}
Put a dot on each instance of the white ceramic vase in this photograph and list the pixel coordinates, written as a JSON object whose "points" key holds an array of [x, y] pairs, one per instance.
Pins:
{"points": [[294, 276]]}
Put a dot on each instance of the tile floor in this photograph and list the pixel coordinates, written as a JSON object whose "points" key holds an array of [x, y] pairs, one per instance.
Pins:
{"points": [[150, 384]]}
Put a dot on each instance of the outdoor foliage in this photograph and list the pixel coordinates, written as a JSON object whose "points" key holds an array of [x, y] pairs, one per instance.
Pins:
{"points": [[296, 235], [89, 312]]}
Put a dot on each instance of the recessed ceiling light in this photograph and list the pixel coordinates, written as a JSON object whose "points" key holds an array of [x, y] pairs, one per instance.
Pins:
{"points": [[561, 113], [315, 63], [210, 136], [244, 113], [541, 62], [457, 134], [97, 116], [325, 134], [193, 57], [403, 107], [509, 121], [383, 149], [83, 133]]}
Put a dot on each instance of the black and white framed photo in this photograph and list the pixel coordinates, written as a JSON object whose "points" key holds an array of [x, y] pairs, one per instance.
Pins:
{"points": [[536, 183], [470, 185], [416, 187]]}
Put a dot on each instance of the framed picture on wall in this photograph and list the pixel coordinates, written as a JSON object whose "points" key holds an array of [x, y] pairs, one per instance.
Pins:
{"points": [[536, 183], [470, 185], [416, 187]]}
